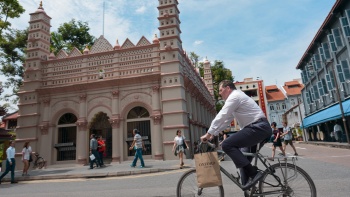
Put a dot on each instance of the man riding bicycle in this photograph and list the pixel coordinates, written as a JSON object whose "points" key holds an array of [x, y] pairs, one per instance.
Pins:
{"points": [[254, 128]]}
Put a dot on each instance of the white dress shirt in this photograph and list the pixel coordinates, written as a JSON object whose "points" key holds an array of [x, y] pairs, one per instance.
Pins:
{"points": [[10, 152], [238, 105], [337, 127]]}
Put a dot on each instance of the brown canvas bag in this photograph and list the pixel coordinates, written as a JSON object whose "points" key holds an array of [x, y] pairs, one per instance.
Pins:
{"points": [[207, 169]]}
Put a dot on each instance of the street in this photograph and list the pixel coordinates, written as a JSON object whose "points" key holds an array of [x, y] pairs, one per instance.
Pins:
{"points": [[328, 167]]}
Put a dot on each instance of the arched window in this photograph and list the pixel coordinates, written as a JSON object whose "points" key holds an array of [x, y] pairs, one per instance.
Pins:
{"points": [[272, 107], [284, 106], [138, 112]]}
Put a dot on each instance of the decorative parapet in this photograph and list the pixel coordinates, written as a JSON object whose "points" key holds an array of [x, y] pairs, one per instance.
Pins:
{"points": [[82, 124]]}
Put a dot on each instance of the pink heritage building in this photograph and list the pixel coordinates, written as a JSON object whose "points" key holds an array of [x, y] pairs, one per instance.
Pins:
{"points": [[110, 90]]}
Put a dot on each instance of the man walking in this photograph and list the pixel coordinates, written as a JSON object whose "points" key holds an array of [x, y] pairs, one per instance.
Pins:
{"points": [[10, 162], [338, 131], [138, 145], [101, 149], [288, 138], [93, 151]]}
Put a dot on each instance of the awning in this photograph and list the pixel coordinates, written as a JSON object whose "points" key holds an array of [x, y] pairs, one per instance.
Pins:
{"points": [[330, 113]]}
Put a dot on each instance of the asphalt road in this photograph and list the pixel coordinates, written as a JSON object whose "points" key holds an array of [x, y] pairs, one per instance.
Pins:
{"points": [[328, 167]]}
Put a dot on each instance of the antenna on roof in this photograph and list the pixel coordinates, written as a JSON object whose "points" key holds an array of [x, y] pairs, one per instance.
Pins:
{"points": [[103, 19]]}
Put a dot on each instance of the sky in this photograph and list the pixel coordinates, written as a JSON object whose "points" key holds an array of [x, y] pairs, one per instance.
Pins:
{"points": [[262, 39]]}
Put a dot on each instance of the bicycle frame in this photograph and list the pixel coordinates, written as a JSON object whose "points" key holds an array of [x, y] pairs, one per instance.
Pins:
{"points": [[257, 156]]}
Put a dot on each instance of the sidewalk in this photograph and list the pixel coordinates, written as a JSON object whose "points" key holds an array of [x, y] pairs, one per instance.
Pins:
{"points": [[343, 145], [70, 171]]}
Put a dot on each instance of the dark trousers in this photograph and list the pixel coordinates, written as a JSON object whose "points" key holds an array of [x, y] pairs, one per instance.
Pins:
{"points": [[96, 160], [101, 158], [249, 136], [244, 176], [8, 169]]}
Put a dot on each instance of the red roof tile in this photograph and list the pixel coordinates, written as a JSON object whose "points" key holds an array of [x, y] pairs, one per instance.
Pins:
{"points": [[274, 94], [293, 87]]}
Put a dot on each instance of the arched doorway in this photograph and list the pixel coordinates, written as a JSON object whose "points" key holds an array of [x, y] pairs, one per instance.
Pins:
{"points": [[138, 118], [66, 138], [100, 126]]}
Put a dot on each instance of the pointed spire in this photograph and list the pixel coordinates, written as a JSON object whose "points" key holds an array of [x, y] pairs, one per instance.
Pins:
{"points": [[41, 5], [116, 46]]}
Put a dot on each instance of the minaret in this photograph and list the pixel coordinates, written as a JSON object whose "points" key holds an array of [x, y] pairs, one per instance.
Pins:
{"points": [[208, 78], [38, 51], [38, 48], [172, 88]]}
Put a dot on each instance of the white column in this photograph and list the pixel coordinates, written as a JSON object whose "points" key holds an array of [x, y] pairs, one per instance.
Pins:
{"points": [[82, 132], [157, 137], [116, 131]]}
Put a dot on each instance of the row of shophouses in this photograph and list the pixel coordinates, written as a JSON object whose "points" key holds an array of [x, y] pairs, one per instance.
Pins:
{"points": [[154, 87]]}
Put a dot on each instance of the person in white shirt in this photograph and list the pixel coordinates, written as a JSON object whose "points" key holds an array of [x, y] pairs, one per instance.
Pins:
{"points": [[138, 145], [26, 153], [10, 162], [288, 138], [179, 147], [338, 131], [254, 128]]}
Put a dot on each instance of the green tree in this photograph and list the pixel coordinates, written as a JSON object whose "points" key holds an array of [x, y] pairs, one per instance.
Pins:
{"points": [[70, 35], [12, 56], [219, 73], [8, 9]]}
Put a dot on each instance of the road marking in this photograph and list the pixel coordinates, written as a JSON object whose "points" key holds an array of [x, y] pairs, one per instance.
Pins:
{"points": [[300, 148]]}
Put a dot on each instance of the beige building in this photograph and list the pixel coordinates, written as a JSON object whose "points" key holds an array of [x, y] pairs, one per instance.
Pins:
{"points": [[255, 89], [110, 90]]}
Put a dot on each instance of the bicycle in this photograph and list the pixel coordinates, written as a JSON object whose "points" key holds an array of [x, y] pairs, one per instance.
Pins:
{"points": [[281, 179], [39, 162]]}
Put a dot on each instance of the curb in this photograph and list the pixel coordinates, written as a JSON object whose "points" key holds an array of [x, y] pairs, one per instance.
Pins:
{"points": [[92, 175]]}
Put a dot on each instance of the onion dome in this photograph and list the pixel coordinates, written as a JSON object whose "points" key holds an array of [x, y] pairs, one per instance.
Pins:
{"points": [[40, 8], [155, 39], [86, 50]]}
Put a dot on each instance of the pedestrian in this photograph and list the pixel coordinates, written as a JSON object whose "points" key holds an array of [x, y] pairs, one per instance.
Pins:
{"points": [[93, 151], [10, 162], [26, 156], [101, 148], [276, 141], [179, 147], [138, 146], [254, 128], [288, 138], [338, 131]]}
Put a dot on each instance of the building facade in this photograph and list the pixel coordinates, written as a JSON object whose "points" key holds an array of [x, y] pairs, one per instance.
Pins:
{"points": [[276, 104], [255, 89], [326, 75], [110, 90]]}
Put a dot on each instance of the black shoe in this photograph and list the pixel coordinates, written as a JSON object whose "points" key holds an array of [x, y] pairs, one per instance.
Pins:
{"points": [[253, 181], [296, 154], [13, 182]]}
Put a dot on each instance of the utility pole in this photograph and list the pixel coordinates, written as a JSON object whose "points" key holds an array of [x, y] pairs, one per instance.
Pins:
{"points": [[340, 102]]}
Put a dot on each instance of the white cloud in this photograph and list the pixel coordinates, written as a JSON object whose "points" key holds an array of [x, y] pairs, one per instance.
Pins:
{"points": [[141, 10], [198, 42]]}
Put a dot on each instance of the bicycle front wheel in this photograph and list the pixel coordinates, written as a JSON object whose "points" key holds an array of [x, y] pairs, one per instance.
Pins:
{"points": [[294, 181], [187, 186], [40, 163]]}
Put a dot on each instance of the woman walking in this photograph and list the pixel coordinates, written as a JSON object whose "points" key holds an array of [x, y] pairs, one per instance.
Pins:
{"points": [[26, 153], [276, 142], [179, 147]]}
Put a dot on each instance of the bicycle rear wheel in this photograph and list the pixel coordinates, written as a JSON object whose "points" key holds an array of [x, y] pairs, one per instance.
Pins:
{"points": [[187, 186], [295, 181], [40, 163]]}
